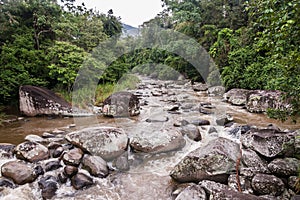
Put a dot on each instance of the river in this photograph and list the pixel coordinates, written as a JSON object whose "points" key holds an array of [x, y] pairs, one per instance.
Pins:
{"points": [[149, 178]]}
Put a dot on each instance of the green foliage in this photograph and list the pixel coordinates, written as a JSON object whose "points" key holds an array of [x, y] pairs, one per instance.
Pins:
{"points": [[127, 82], [65, 60]]}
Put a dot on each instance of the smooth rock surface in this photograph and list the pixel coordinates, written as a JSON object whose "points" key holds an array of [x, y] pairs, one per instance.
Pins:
{"points": [[95, 165], [81, 180], [20, 172], [106, 142], [157, 141]]}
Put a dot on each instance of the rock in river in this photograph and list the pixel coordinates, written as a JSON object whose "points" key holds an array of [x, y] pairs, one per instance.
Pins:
{"points": [[106, 142], [95, 165], [213, 162], [41, 101], [121, 104], [20, 172], [270, 143], [157, 141], [32, 151]]}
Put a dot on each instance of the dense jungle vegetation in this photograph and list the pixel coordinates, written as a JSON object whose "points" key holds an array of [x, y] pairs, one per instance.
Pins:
{"points": [[255, 44]]}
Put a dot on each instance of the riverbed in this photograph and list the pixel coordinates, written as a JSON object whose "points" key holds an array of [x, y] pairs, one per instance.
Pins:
{"points": [[149, 178]]}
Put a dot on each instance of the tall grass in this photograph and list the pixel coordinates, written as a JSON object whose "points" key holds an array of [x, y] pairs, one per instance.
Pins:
{"points": [[85, 98], [127, 82]]}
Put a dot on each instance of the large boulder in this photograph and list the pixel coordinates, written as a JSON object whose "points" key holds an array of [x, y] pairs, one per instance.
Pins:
{"points": [[20, 172], [270, 143], [260, 100], [157, 141], [215, 161], [41, 101], [106, 142], [121, 104], [236, 96]]}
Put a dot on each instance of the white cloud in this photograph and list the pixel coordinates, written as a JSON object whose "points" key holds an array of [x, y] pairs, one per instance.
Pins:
{"points": [[132, 12]]}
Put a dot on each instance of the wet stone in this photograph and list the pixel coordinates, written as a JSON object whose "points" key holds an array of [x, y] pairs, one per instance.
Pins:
{"points": [[48, 185], [38, 170], [6, 183], [95, 165], [31, 151], [81, 180], [194, 192], [70, 170], [157, 141], [52, 165], [6, 150], [34, 138], [20, 172], [122, 162], [192, 132], [57, 152], [73, 157]]}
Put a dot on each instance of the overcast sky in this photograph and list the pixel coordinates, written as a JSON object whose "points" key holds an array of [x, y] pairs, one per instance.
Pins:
{"points": [[132, 12]]}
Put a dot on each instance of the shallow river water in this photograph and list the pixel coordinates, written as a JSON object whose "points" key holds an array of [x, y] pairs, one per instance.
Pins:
{"points": [[149, 178]]}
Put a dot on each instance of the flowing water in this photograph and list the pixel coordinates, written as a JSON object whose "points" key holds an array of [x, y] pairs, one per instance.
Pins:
{"points": [[149, 178]]}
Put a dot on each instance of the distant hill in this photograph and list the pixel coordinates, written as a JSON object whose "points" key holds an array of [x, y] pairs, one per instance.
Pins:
{"points": [[129, 31]]}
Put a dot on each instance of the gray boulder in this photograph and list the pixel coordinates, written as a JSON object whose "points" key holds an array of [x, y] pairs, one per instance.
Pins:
{"points": [[260, 100], [236, 96], [106, 142], [81, 181], [95, 165], [285, 166], [157, 141], [193, 192], [31, 151], [41, 101], [20, 172], [253, 162], [265, 184], [215, 161], [192, 132], [121, 104], [270, 143]]}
